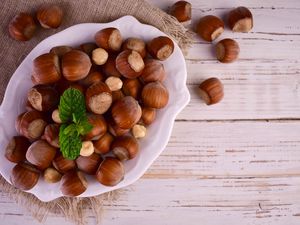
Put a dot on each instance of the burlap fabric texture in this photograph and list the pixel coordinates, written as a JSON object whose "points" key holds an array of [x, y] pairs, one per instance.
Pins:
{"points": [[13, 52]]}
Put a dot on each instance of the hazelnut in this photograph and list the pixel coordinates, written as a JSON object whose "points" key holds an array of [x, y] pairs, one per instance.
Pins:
{"points": [[227, 50], [153, 71], [24, 176], [93, 77], [88, 48], [43, 98], [98, 98], [114, 83], [210, 27], [51, 175], [126, 112], [89, 164], [148, 115], [75, 65], [22, 27], [155, 95], [40, 154], [50, 16], [240, 19], [102, 145], [55, 116], [51, 135], [130, 64], [99, 127], [211, 91], [60, 50], [109, 38], [116, 130], [64, 84], [73, 183], [62, 164], [132, 87], [116, 95], [32, 124], [99, 56], [16, 149], [46, 69], [28, 106], [135, 44], [125, 147], [110, 172], [182, 11], [87, 148], [18, 123], [161, 47], [139, 131], [110, 68]]}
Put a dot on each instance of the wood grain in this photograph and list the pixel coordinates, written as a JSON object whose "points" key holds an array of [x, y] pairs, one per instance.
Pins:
{"points": [[237, 162]]}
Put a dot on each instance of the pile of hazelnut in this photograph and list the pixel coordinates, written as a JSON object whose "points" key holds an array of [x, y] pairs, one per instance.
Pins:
{"points": [[209, 28], [23, 26], [123, 87]]}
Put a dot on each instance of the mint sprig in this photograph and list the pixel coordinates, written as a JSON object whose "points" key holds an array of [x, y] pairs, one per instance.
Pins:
{"points": [[72, 112]]}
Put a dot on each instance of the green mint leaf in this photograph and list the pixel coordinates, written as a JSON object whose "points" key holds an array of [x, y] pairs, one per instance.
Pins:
{"points": [[70, 142], [84, 126], [71, 106], [71, 130]]}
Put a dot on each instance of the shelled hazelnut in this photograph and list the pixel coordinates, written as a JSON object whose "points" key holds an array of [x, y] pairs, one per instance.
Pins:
{"points": [[139, 131], [51, 175], [22, 27], [211, 91], [210, 27], [99, 56]]}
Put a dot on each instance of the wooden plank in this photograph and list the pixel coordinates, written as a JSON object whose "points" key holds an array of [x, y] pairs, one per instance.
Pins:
{"points": [[261, 201]]}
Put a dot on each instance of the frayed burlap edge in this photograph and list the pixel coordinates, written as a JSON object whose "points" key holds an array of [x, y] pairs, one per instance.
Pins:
{"points": [[73, 209]]}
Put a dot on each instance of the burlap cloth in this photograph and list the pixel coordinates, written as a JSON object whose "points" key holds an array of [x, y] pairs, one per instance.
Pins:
{"points": [[13, 52]]}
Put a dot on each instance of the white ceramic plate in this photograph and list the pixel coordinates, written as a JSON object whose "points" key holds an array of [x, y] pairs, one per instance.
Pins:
{"points": [[158, 133]]}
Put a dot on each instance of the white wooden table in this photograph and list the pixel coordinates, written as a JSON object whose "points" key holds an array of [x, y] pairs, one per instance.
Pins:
{"points": [[237, 162]]}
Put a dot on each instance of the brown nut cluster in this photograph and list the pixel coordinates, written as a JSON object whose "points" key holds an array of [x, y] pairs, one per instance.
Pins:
{"points": [[23, 26], [123, 89]]}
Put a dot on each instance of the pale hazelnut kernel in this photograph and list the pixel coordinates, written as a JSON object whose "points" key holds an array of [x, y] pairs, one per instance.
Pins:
{"points": [[87, 148], [114, 83], [139, 131], [55, 116], [99, 56]]}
